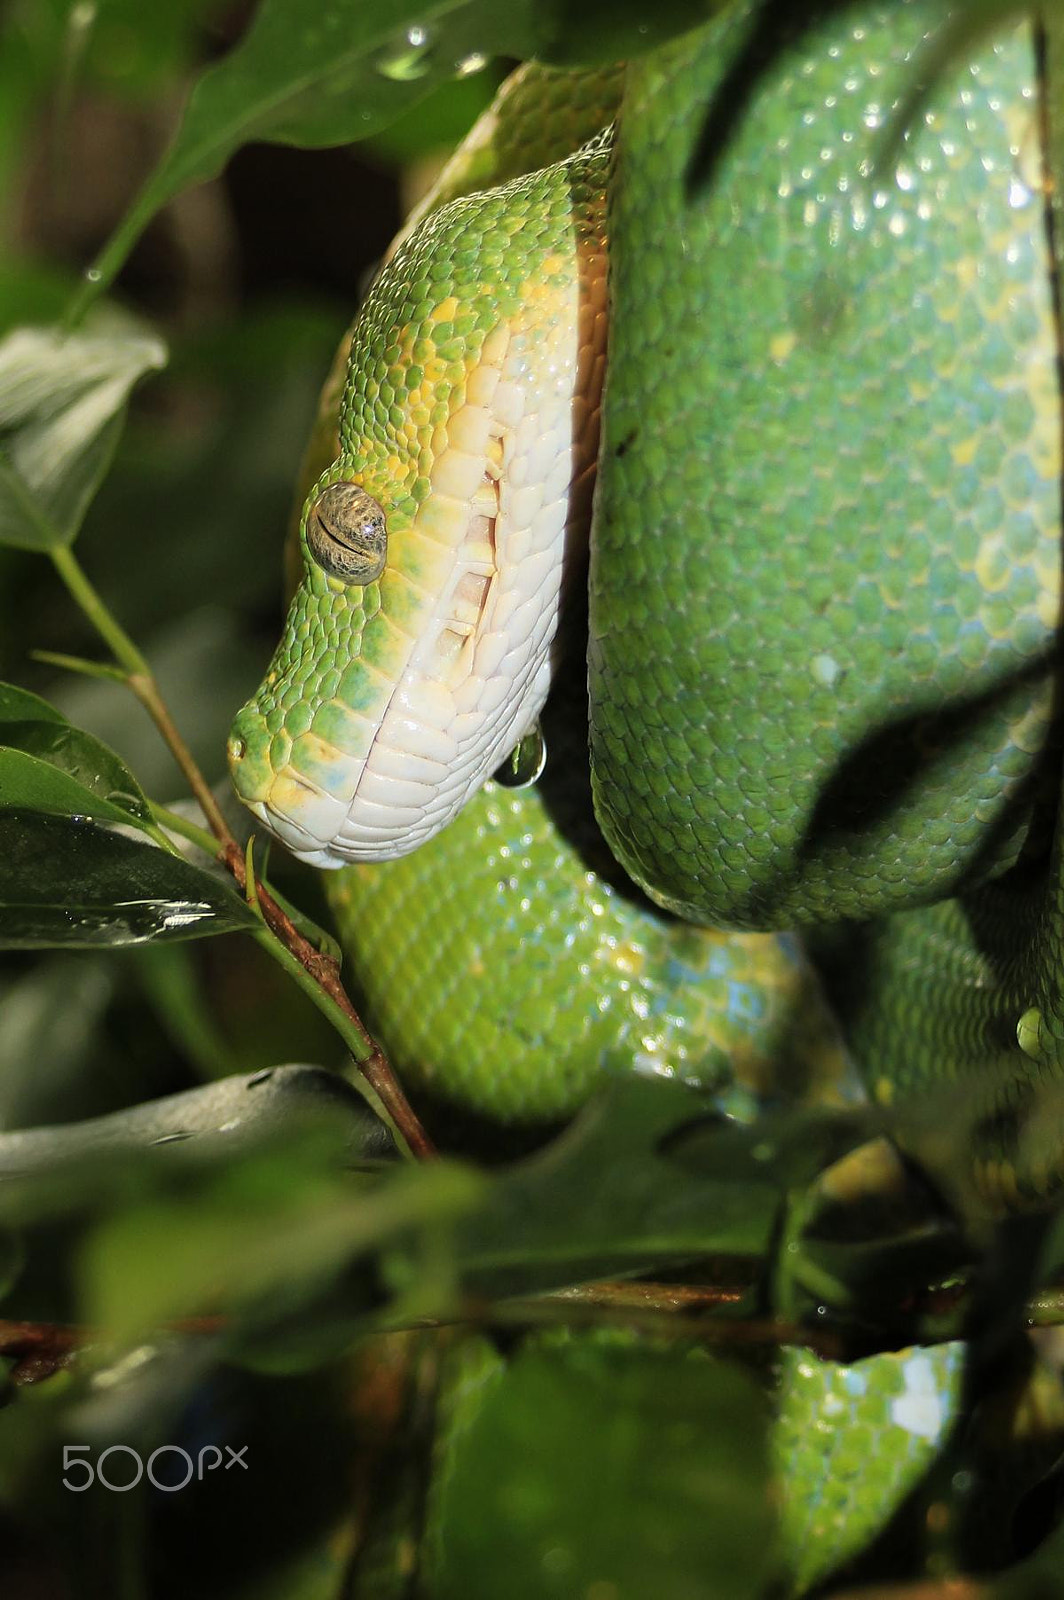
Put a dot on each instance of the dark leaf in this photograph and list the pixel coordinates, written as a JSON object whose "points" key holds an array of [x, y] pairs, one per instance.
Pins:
{"points": [[51, 766], [18, 705], [606, 1198], [70, 882], [343, 69]]}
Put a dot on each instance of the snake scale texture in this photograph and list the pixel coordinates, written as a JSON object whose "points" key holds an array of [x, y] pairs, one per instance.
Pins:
{"points": [[798, 693]]}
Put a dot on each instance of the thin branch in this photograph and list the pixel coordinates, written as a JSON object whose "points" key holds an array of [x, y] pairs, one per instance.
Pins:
{"points": [[41, 1348], [146, 690], [682, 1311], [38, 1349], [316, 973], [114, 635], [959, 1588]]}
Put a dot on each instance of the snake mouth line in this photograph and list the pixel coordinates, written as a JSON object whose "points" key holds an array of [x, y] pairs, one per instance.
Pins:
{"points": [[411, 742], [450, 655]]}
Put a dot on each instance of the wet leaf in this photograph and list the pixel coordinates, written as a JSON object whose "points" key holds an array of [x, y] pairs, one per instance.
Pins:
{"points": [[344, 69], [62, 402], [51, 766], [65, 882], [86, 778], [320, 75]]}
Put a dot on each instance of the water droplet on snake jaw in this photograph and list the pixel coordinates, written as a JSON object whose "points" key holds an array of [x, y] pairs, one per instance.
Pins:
{"points": [[525, 763]]}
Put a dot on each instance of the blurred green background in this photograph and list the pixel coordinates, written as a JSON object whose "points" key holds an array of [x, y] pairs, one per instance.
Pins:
{"points": [[576, 1463]]}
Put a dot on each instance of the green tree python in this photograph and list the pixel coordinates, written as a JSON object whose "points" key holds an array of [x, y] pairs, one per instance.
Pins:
{"points": [[802, 684], [824, 586]]}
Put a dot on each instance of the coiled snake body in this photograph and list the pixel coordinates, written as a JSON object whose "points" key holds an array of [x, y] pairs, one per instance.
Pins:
{"points": [[824, 589], [821, 620]]}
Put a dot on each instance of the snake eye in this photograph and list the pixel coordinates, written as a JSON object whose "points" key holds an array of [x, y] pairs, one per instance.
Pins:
{"points": [[347, 534]]}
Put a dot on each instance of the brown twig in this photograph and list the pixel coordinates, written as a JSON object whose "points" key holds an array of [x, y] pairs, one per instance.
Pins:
{"points": [[324, 971], [41, 1348], [682, 1310], [144, 686], [959, 1588], [303, 960], [371, 1060], [660, 1320], [38, 1349]]}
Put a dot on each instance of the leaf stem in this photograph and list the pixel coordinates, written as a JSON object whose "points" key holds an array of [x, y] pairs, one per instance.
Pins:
{"points": [[120, 644], [176, 823], [251, 888]]}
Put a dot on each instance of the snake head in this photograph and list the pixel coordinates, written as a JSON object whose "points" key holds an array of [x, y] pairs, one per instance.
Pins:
{"points": [[416, 653]]}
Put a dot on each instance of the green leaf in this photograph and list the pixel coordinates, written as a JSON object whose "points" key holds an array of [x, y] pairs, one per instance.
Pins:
{"points": [[319, 75], [64, 882], [344, 69], [137, 51], [439, 122], [51, 766], [588, 1468], [795, 1145], [607, 1198], [263, 1232], [18, 705], [62, 402], [32, 785], [46, 764]]}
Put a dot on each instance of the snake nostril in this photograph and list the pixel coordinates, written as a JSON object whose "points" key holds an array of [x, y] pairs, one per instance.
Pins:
{"points": [[238, 748]]}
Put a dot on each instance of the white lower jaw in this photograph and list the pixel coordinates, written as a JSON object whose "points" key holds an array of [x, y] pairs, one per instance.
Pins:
{"points": [[295, 839], [374, 830]]}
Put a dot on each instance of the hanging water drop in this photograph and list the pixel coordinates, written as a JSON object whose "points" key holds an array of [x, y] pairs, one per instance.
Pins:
{"points": [[473, 62], [525, 762], [407, 57]]}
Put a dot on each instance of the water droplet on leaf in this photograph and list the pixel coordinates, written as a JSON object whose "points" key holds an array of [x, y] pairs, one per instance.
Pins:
{"points": [[474, 62], [407, 57]]}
